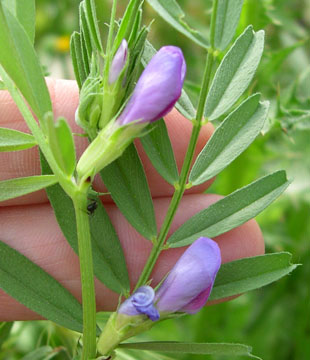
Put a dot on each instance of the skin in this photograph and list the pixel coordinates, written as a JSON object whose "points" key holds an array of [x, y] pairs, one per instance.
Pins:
{"points": [[28, 224]]}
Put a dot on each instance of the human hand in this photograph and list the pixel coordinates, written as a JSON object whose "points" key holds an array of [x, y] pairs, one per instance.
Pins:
{"points": [[29, 225]]}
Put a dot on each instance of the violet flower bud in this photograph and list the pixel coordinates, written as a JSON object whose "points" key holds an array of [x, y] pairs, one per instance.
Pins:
{"points": [[118, 62], [189, 284], [140, 303], [158, 87]]}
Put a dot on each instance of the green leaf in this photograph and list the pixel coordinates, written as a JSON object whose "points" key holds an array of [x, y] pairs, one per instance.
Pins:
{"points": [[126, 181], [40, 353], [86, 60], [20, 62], [227, 19], [127, 354], [157, 146], [5, 329], [184, 105], [135, 31], [91, 17], [65, 145], [13, 140], [37, 290], [134, 68], [235, 73], [192, 348], [25, 12], [171, 12], [109, 261], [12, 188], [85, 31], [123, 30], [77, 58], [231, 211], [109, 249], [61, 143], [228, 141], [247, 274]]}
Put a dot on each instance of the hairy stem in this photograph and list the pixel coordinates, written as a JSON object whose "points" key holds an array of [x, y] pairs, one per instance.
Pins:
{"points": [[87, 275]]}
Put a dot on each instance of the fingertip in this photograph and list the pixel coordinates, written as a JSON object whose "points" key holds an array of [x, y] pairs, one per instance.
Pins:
{"points": [[245, 240], [65, 99]]}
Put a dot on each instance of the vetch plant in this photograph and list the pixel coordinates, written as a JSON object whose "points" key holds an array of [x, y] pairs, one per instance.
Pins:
{"points": [[119, 101]]}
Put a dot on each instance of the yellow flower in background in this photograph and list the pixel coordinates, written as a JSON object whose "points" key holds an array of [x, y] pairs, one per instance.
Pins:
{"points": [[62, 43]]}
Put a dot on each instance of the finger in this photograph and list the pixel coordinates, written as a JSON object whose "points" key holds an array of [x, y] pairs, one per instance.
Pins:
{"points": [[45, 245], [65, 101]]}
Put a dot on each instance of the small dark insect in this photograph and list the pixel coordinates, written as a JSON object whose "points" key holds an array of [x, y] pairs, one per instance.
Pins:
{"points": [[91, 207]]}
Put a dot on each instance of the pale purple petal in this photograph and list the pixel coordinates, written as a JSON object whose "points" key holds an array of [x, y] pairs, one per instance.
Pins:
{"points": [[141, 302], [118, 62], [158, 87], [189, 283]]}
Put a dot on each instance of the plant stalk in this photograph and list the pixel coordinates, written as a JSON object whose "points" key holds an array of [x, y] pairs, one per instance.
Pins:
{"points": [[87, 275]]}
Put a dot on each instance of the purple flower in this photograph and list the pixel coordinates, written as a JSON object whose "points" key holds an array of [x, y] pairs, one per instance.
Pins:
{"points": [[189, 284], [140, 303], [158, 87], [118, 62], [186, 288]]}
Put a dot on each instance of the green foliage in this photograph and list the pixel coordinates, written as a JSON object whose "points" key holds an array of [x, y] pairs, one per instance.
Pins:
{"points": [[25, 12], [193, 348], [230, 139], [226, 22], [109, 263], [126, 181], [13, 140], [157, 145], [171, 12], [36, 289], [12, 188], [235, 73], [231, 211], [90, 12], [246, 274], [21, 63], [61, 143], [77, 58], [5, 329], [283, 309]]}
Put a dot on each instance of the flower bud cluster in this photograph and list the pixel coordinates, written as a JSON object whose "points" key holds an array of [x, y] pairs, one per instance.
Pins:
{"points": [[154, 95]]}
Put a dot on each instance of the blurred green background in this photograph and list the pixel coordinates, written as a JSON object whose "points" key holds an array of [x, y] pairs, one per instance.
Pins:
{"points": [[275, 320]]}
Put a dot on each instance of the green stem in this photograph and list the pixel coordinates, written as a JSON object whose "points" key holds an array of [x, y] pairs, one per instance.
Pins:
{"points": [[87, 276], [213, 23], [181, 186]]}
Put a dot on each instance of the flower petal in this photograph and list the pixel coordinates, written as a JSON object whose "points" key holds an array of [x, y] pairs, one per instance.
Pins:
{"points": [[189, 283], [118, 62], [158, 87], [140, 303]]}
